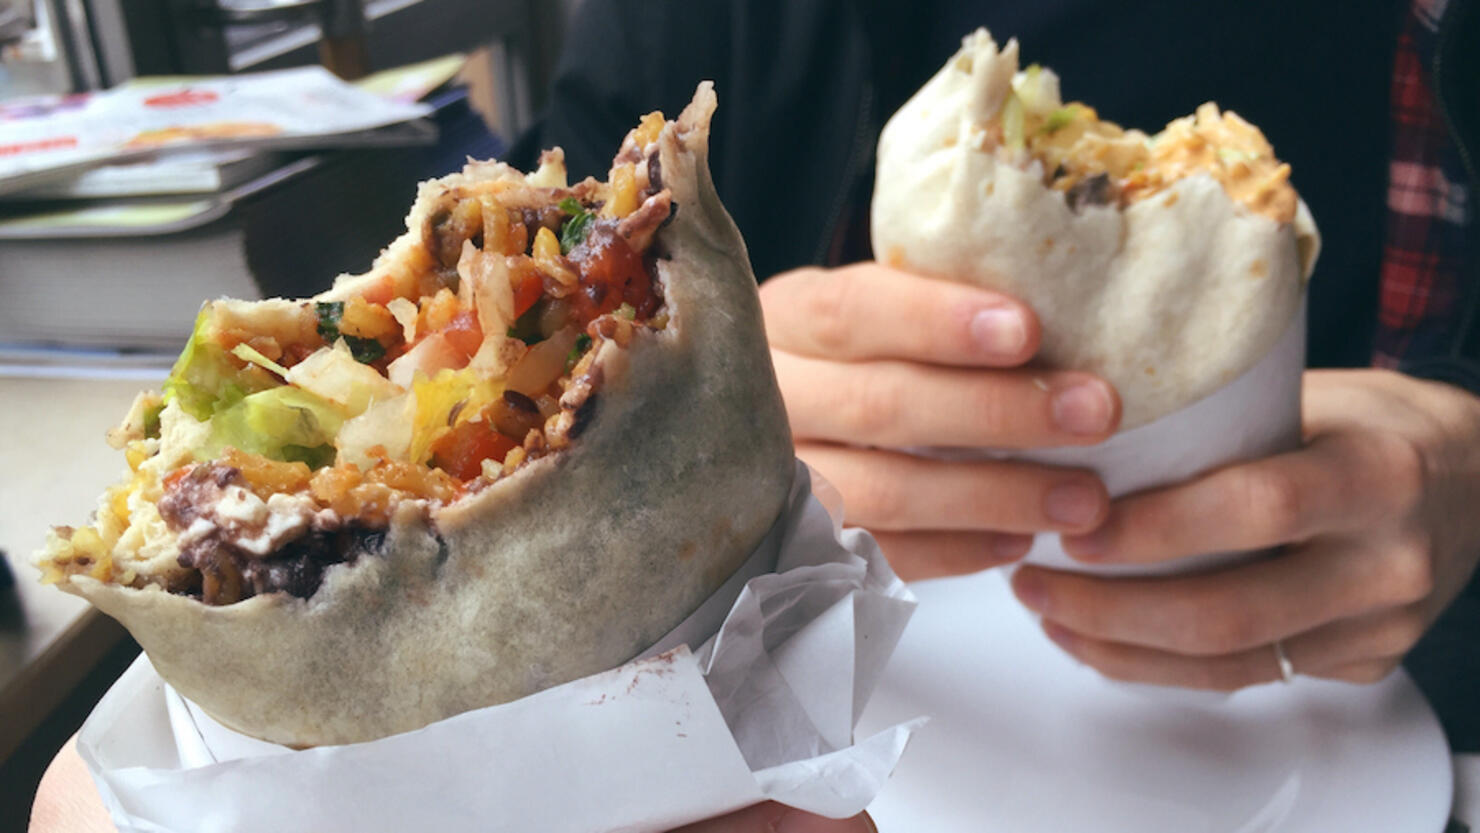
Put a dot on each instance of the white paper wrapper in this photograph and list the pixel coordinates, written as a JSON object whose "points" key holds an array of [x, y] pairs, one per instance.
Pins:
{"points": [[763, 708], [1255, 415]]}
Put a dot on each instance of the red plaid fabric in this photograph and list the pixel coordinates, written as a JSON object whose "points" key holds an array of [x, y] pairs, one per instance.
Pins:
{"points": [[1427, 206]]}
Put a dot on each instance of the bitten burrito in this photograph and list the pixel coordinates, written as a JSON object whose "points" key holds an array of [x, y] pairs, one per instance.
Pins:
{"points": [[1166, 264], [531, 440]]}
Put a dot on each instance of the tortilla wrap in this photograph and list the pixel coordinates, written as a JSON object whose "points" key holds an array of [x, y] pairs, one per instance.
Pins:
{"points": [[574, 564], [1167, 297]]}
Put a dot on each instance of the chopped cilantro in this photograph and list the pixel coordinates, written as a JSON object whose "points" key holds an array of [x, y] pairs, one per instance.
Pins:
{"points": [[365, 350], [583, 343], [575, 229], [329, 314]]}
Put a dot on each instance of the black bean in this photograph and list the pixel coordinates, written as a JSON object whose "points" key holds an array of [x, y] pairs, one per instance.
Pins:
{"points": [[519, 401], [655, 172], [585, 412], [1092, 190]]}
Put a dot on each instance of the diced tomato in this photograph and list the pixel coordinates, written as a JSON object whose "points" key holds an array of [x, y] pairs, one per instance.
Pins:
{"points": [[464, 334], [527, 291], [176, 476], [461, 451], [611, 274]]}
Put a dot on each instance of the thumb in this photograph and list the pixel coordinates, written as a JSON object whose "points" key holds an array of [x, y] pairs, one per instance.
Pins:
{"points": [[771, 817]]}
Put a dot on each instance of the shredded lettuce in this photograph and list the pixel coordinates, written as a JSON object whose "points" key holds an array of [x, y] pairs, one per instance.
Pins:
{"points": [[248, 353], [1013, 123], [332, 374], [283, 423], [204, 380], [1038, 90], [387, 423]]}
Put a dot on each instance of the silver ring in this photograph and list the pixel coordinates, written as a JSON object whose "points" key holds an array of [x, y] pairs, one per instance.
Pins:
{"points": [[1287, 668]]}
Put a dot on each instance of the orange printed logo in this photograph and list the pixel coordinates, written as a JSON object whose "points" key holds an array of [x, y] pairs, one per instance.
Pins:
{"points": [[56, 143], [181, 98]]}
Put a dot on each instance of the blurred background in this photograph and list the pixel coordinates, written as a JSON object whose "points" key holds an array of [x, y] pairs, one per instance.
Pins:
{"points": [[103, 263]]}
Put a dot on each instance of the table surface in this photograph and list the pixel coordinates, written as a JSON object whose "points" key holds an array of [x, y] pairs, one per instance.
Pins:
{"points": [[54, 463]]}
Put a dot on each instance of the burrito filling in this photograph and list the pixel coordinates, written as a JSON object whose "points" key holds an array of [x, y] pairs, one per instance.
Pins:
{"points": [[1097, 162], [289, 433]]}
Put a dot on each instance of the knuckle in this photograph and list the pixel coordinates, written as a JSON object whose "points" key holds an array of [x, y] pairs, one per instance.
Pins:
{"points": [[1404, 472], [825, 306], [1273, 501], [1216, 630], [990, 409], [1154, 526], [873, 407], [1410, 570], [877, 502], [781, 291]]}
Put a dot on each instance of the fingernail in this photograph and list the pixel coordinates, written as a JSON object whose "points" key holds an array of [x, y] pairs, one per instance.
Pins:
{"points": [[1010, 547], [796, 821], [999, 331], [1030, 590], [1072, 504], [1085, 408]]}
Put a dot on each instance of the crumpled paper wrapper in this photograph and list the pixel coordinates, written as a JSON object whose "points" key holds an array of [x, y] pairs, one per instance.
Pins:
{"points": [[788, 652], [1255, 415]]}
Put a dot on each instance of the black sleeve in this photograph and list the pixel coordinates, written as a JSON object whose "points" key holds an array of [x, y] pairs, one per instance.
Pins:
{"points": [[621, 59], [591, 99], [1460, 372]]}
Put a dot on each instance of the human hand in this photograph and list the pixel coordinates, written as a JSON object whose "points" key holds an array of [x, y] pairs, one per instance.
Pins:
{"points": [[871, 358], [1379, 516], [67, 800], [770, 817]]}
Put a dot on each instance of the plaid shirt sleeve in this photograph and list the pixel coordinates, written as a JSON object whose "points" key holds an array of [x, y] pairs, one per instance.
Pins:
{"points": [[1428, 206]]}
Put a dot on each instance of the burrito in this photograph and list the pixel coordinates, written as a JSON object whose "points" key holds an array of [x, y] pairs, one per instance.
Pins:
{"points": [[530, 441], [1166, 264]]}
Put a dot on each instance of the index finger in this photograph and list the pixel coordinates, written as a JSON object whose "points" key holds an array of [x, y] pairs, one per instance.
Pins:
{"points": [[869, 311]]}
